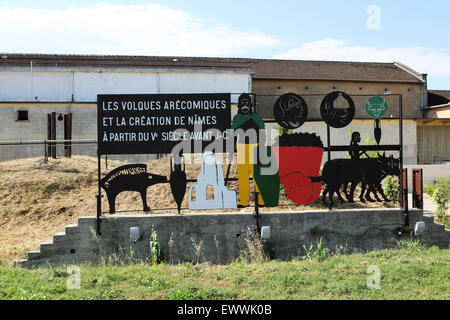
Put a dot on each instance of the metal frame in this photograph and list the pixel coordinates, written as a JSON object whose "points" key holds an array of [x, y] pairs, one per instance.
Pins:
{"points": [[50, 145], [330, 148]]}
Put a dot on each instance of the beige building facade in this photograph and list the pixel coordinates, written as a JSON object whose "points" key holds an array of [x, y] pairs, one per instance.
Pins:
{"points": [[404, 90]]}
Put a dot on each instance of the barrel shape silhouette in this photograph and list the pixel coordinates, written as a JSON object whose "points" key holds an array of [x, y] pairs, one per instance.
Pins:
{"points": [[295, 166]]}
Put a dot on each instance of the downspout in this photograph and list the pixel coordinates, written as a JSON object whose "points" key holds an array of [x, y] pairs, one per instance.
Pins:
{"points": [[73, 92], [158, 83], [31, 81], [424, 94]]}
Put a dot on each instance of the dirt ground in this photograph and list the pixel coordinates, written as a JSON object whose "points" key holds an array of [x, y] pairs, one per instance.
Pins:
{"points": [[39, 199]]}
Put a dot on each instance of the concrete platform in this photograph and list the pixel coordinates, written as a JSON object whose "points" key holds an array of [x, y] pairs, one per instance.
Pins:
{"points": [[221, 237]]}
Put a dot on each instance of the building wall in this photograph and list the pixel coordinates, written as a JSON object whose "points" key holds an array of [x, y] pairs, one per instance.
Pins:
{"points": [[44, 90], [433, 141], [46, 84], [442, 112], [48, 90]]}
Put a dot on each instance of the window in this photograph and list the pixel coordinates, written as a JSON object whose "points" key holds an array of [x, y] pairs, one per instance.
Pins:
{"points": [[22, 115]]}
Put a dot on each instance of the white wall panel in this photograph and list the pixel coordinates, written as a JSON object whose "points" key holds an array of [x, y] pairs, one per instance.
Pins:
{"points": [[15, 86], [85, 85], [89, 84], [204, 83], [52, 86]]}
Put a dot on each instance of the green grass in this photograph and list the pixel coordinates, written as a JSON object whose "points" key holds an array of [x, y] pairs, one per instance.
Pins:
{"points": [[408, 272]]}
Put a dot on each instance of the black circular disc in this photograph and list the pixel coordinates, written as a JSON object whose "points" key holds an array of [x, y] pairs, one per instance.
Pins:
{"points": [[337, 109], [290, 111]]}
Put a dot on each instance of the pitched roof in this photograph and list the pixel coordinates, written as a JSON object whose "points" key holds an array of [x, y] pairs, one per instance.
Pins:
{"points": [[262, 68], [104, 61], [331, 70]]}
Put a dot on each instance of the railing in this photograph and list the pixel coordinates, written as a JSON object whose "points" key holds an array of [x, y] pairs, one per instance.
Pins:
{"points": [[50, 145]]}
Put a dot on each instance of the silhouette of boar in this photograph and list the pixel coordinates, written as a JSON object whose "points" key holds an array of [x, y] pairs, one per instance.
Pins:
{"points": [[132, 177]]}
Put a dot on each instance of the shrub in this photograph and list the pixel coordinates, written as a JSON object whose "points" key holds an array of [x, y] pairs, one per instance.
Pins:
{"points": [[282, 130], [391, 188], [441, 196], [368, 142], [429, 189]]}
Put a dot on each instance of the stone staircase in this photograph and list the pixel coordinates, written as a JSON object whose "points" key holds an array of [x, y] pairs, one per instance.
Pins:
{"points": [[435, 233], [71, 246]]}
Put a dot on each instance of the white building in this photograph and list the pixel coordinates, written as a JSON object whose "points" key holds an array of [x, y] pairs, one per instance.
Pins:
{"points": [[31, 86]]}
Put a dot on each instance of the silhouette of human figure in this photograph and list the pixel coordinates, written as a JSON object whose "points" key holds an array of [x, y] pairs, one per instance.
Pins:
{"points": [[354, 149], [247, 146]]}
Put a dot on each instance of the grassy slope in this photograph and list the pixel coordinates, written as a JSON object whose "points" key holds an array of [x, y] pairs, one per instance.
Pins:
{"points": [[39, 199], [414, 273]]}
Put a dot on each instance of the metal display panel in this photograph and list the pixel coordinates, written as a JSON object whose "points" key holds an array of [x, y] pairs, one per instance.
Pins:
{"points": [[122, 108], [145, 124]]}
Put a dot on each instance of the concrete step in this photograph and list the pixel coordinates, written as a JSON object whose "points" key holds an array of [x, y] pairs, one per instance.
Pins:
{"points": [[20, 263], [59, 237], [33, 255], [435, 227], [427, 219], [72, 229], [46, 247]]}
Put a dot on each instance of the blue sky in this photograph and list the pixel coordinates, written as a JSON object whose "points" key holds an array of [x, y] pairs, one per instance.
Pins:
{"points": [[413, 32]]}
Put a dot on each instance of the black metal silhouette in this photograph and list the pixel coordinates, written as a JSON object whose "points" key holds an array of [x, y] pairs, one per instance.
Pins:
{"points": [[373, 176], [368, 171], [377, 131], [290, 111], [178, 180], [132, 177], [354, 149], [337, 116]]}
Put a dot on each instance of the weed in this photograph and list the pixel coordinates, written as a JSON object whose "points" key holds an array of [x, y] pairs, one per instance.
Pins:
{"points": [[152, 282], [194, 292], [107, 295], [216, 243], [155, 249], [341, 250], [25, 252], [131, 255], [414, 245], [60, 274], [198, 248], [316, 251], [97, 241], [253, 250], [171, 246]]}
